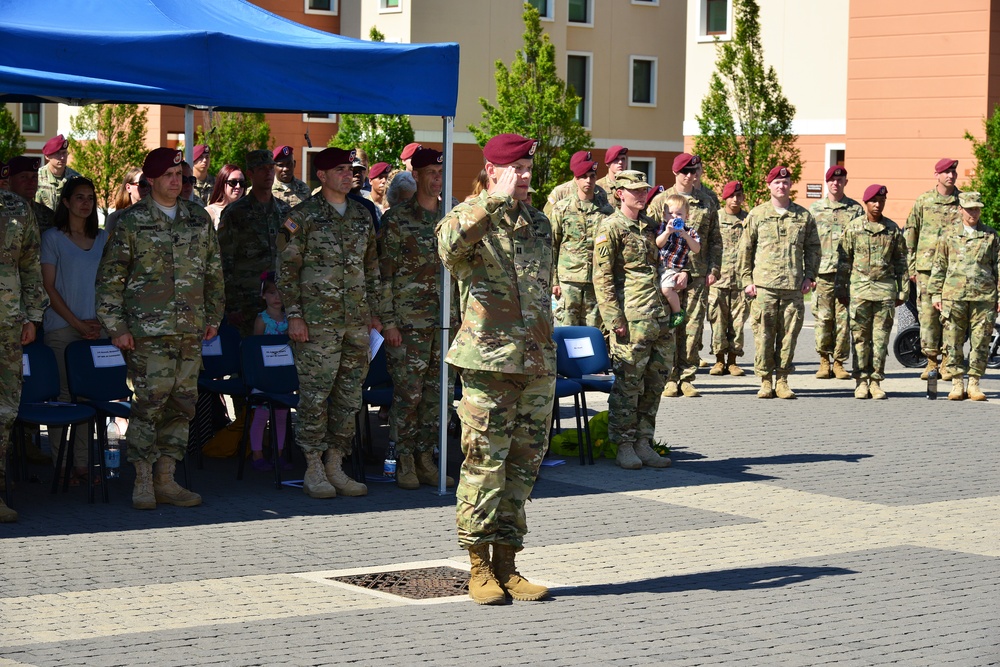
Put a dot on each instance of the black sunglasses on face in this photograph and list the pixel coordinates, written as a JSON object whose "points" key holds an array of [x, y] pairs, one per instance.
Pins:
{"points": [[233, 183], [142, 184]]}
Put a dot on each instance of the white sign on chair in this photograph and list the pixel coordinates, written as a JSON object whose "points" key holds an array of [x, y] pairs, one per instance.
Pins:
{"points": [[277, 355], [577, 348], [107, 356]]}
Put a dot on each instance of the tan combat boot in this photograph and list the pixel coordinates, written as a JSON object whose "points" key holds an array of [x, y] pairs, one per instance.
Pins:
{"points": [[483, 585], [731, 366], [824, 368], [766, 390], [876, 391], [166, 490], [627, 458], [861, 390], [840, 372], [314, 483], [143, 497], [649, 457], [506, 573], [932, 365], [689, 390], [975, 391], [720, 365], [671, 391], [957, 392], [335, 473], [7, 515], [427, 470], [406, 474], [781, 388]]}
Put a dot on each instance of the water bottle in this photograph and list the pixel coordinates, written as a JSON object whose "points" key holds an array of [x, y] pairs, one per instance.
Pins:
{"points": [[932, 382], [113, 452], [389, 466]]}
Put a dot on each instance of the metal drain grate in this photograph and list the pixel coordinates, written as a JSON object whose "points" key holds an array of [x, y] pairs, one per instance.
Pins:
{"points": [[418, 584]]}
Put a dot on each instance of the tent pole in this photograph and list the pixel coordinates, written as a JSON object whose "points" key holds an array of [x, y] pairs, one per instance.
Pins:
{"points": [[189, 134], [446, 396]]}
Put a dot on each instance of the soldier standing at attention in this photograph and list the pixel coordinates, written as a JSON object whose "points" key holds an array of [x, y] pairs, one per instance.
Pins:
{"points": [[159, 293], [247, 235], [778, 259], [500, 250], [636, 313], [574, 225], [329, 280], [934, 211], [411, 317], [52, 176], [833, 332], [727, 304], [199, 165], [24, 182], [963, 288], [615, 158], [564, 190], [286, 187], [871, 275], [23, 302]]}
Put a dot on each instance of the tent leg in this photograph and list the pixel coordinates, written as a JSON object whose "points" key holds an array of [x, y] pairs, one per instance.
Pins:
{"points": [[189, 134], [446, 398]]}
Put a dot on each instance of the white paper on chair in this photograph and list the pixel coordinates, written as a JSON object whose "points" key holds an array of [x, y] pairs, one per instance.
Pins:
{"points": [[212, 347], [374, 343], [107, 356], [277, 355], [577, 348], [25, 366]]}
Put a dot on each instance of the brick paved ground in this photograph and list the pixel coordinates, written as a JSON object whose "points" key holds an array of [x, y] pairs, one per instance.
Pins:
{"points": [[819, 531]]}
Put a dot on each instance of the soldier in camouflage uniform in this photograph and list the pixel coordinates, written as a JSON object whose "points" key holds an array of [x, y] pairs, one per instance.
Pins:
{"points": [[411, 317], [616, 158], [52, 176], [24, 182], [727, 304], [833, 332], [871, 276], [963, 287], [247, 233], [500, 250], [286, 187], [703, 269], [329, 280], [159, 293], [200, 159], [778, 259], [703, 189], [574, 224], [637, 314], [935, 210], [23, 302]]}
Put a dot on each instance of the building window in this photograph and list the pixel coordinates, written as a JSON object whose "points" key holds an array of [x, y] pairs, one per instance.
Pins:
{"points": [[321, 6], [319, 118], [648, 3], [578, 77], [715, 19], [544, 7], [389, 6], [581, 12], [31, 118], [642, 86], [646, 165]]}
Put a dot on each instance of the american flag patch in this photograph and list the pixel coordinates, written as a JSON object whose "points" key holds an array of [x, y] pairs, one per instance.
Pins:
{"points": [[291, 226], [601, 238]]}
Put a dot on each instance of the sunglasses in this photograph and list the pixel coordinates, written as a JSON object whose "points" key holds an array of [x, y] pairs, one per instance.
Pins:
{"points": [[189, 180], [233, 183], [142, 184]]}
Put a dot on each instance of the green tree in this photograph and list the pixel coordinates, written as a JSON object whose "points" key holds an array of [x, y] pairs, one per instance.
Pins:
{"points": [[11, 142], [745, 125], [105, 141], [231, 135], [986, 178], [533, 101], [381, 136]]}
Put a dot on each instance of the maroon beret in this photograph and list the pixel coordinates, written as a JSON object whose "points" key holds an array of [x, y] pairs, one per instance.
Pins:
{"points": [[731, 188], [582, 163], [874, 190], [282, 153], [653, 192], [328, 158], [835, 171], [685, 160], [159, 160], [614, 153], [199, 150], [4, 171], [23, 163], [378, 169], [944, 164], [509, 148], [54, 145], [408, 151], [781, 171], [425, 157]]}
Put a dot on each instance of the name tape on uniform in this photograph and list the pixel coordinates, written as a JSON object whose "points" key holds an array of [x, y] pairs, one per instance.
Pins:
{"points": [[107, 356], [277, 355]]}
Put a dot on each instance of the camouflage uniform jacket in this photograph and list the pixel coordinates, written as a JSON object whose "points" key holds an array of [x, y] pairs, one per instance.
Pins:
{"points": [[608, 187], [50, 186], [831, 220], [625, 280], [247, 233], [204, 188], [328, 265], [22, 297], [778, 251], [931, 213], [293, 193], [574, 225], [710, 193], [160, 277], [731, 230], [44, 216], [500, 251], [564, 190], [703, 217], [966, 265], [872, 261]]}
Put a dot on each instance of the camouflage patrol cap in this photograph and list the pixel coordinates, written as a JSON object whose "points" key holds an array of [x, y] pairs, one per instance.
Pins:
{"points": [[630, 180], [23, 163], [874, 190], [970, 200], [259, 158]]}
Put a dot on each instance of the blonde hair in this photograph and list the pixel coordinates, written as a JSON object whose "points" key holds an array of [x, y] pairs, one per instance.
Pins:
{"points": [[681, 203]]}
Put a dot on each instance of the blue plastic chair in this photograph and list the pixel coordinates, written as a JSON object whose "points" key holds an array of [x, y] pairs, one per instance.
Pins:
{"points": [[564, 389], [582, 369], [221, 372], [375, 390]]}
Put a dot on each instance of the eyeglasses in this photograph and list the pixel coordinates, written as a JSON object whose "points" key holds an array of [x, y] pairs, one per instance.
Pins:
{"points": [[233, 183], [142, 183], [189, 180]]}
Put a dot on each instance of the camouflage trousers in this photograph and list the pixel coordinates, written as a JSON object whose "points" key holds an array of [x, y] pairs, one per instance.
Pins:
{"points": [[578, 306], [415, 367], [833, 327], [727, 312], [776, 319], [871, 322], [164, 374], [505, 434], [972, 318], [929, 318], [694, 300], [332, 366], [641, 360], [11, 367]]}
